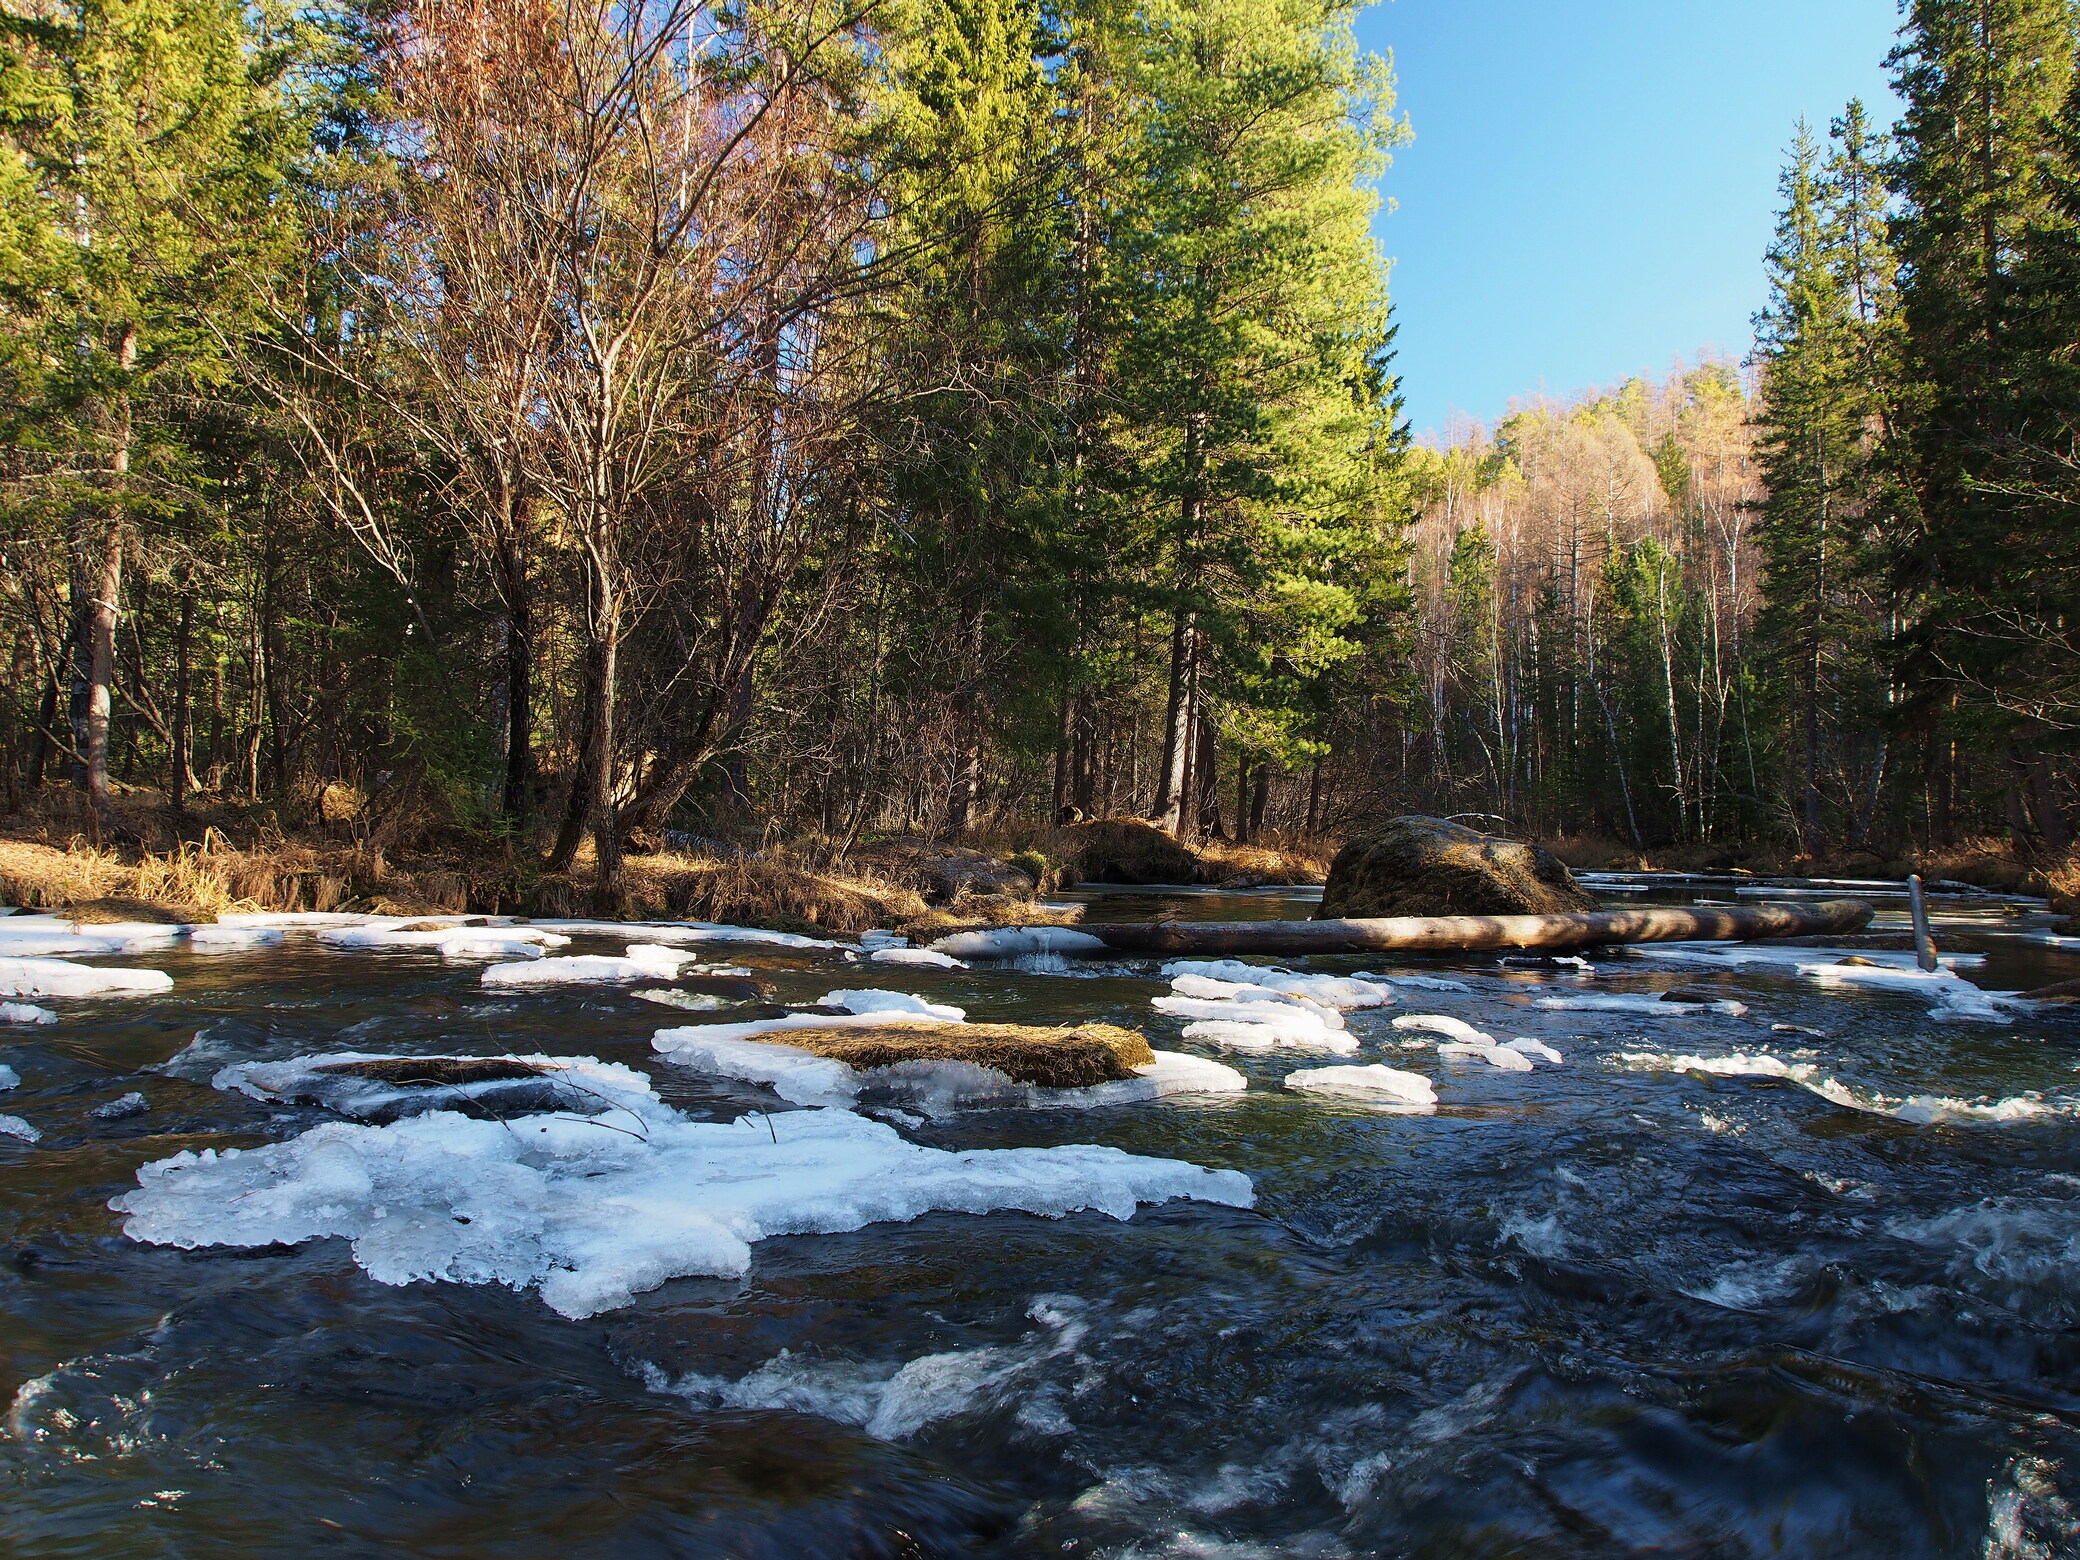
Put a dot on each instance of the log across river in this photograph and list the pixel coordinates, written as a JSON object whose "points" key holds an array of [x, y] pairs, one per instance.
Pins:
{"points": [[1471, 933]]}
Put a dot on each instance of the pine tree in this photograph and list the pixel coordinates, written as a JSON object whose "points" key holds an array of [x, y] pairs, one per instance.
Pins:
{"points": [[148, 132], [1982, 81]]}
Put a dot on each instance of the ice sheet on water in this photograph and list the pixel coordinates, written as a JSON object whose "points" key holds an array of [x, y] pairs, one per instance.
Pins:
{"points": [[1005, 942], [14, 1126], [1416, 982], [1302, 1032], [62, 978], [881, 937], [1501, 1057], [916, 956], [890, 1403], [1444, 1024], [1200, 977], [450, 942], [301, 920], [904, 1003], [1634, 1002], [579, 1083], [1272, 1008], [1737, 955], [1531, 1047], [1918, 1109], [25, 1013], [685, 1001], [688, 932], [590, 1214], [769, 1026], [1376, 1082], [9, 1078], [643, 961], [1955, 998], [935, 1088]]}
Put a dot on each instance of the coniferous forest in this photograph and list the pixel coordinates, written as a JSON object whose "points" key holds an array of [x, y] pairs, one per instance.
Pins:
{"points": [[834, 419]]}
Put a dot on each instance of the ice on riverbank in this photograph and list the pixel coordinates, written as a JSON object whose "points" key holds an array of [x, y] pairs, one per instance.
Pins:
{"points": [[933, 1087], [1376, 1082], [1955, 998], [1734, 956], [61, 978], [44, 936], [688, 932], [590, 1214], [25, 1013]]}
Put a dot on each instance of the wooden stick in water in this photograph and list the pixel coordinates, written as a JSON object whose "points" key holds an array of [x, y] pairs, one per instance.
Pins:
{"points": [[1924, 942], [1472, 933]]}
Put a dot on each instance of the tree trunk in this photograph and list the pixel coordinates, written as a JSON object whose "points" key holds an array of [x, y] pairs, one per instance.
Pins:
{"points": [[1260, 800], [1177, 724], [180, 777], [1206, 778], [577, 805], [517, 587], [609, 893]]}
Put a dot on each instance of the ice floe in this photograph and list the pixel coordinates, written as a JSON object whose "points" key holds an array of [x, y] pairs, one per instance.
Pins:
{"points": [[590, 1213], [880, 937], [1416, 982], [934, 1087], [1737, 955], [1503, 1057], [1202, 977], [904, 1003], [1954, 996], [450, 942], [688, 932], [25, 1013], [1638, 1003], [1443, 1024], [1919, 1109], [61, 978], [14, 1126], [643, 961], [9, 1078], [1006, 942], [887, 1401], [1376, 1082], [1538, 1048], [922, 957], [121, 1108], [382, 1086], [1270, 1008]]}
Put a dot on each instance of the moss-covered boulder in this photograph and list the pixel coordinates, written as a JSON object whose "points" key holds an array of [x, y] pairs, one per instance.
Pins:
{"points": [[1127, 850], [1428, 866]]}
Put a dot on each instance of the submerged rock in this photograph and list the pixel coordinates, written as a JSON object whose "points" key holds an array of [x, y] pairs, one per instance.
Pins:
{"points": [[1429, 866]]}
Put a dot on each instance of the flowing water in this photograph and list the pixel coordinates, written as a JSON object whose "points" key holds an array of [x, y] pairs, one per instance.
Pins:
{"points": [[1622, 1306]]}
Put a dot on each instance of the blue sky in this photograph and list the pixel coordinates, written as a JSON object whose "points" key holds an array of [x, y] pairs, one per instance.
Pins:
{"points": [[1593, 182]]}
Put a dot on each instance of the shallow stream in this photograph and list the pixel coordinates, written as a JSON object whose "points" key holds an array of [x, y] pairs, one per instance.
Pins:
{"points": [[1622, 1306]]}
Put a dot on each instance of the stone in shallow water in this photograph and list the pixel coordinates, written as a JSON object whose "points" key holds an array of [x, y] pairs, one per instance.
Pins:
{"points": [[121, 1108]]}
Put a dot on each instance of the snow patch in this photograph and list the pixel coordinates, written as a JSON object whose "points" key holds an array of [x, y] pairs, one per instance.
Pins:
{"points": [[590, 1214]]}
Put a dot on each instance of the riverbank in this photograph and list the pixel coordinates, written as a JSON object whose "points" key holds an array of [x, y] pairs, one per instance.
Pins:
{"points": [[227, 856]]}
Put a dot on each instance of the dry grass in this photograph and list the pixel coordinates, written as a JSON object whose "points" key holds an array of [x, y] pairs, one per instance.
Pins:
{"points": [[1049, 1058]]}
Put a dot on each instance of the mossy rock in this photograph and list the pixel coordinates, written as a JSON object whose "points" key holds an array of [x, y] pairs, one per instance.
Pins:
{"points": [[1077, 1058], [1128, 850], [1429, 866]]}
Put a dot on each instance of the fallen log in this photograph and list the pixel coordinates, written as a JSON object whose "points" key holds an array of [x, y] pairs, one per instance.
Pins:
{"points": [[1441, 933]]}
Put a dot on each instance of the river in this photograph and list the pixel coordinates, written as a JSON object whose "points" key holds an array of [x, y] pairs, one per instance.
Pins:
{"points": [[1627, 1305]]}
